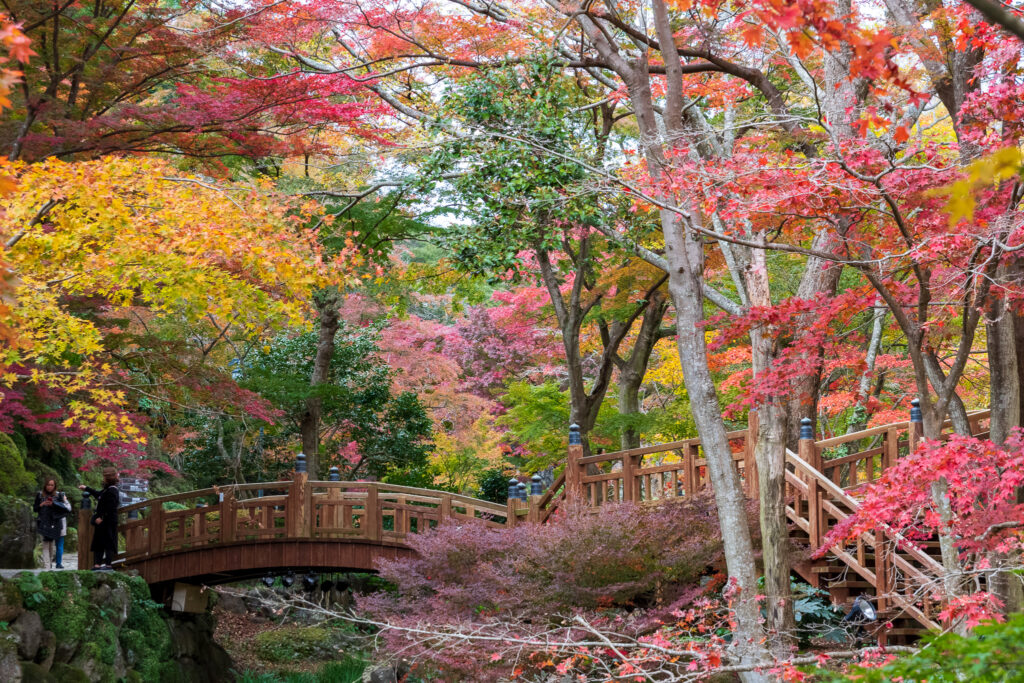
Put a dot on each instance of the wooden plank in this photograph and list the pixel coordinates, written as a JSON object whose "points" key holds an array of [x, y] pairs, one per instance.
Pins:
{"points": [[629, 466], [646, 450]]}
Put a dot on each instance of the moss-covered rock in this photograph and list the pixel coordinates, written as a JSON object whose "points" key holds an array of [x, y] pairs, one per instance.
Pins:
{"points": [[10, 671], [10, 601], [33, 673], [16, 480], [105, 627], [17, 532], [68, 674]]}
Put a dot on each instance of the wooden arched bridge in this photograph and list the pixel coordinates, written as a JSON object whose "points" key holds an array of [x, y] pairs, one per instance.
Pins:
{"points": [[235, 532]]}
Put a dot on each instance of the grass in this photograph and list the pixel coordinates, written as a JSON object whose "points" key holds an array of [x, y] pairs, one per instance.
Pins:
{"points": [[348, 670]]}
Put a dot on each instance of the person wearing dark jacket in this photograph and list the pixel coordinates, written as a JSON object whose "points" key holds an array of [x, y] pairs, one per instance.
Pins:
{"points": [[104, 520], [51, 507]]}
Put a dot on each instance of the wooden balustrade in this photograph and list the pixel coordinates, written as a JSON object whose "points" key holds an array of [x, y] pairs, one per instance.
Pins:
{"points": [[297, 510], [652, 473]]}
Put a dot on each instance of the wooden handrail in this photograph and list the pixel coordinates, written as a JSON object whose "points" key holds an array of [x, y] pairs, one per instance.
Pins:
{"points": [[881, 429]]}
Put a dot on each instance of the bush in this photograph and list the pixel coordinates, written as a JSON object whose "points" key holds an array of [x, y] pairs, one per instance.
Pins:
{"points": [[16, 481], [534, 578], [347, 670], [992, 653], [578, 560], [293, 642], [493, 485]]}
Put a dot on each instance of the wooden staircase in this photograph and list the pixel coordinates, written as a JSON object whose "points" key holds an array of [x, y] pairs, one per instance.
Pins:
{"points": [[823, 480]]}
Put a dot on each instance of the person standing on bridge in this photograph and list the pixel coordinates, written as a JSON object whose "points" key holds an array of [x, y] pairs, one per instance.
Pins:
{"points": [[51, 507], [104, 520]]}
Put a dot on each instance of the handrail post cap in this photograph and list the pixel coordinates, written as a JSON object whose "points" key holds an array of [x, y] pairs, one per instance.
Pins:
{"points": [[300, 463], [536, 485], [806, 429], [574, 434], [915, 410]]}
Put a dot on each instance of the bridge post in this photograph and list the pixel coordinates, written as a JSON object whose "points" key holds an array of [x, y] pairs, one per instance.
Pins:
{"points": [[372, 517], [809, 453], [155, 523], [227, 516], [573, 469], [536, 493], [629, 476], [915, 429], [298, 506], [85, 532], [512, 504]]}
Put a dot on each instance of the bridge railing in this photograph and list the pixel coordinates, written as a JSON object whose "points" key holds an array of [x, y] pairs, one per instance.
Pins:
{"points": [[286, 510], [652, 473]]}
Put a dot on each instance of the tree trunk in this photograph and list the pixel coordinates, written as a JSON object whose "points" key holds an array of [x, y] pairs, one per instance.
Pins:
{"points": [[684, 254], [633, 370], [770, 456], [1005, 402], [309, 424]]}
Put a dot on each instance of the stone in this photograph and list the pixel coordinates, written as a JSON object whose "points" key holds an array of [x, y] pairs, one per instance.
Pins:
{"points": [[68, 674], [200, 659], [33, 673], [17, 534], [65, 651], [47, 650], [392, 672], [380, 674], [10, 601], [113, 599], [232, 603], [10, 671], [28, 628]]}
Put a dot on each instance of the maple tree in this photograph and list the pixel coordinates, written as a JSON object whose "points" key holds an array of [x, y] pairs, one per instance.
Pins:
{"points": [[183, 78], [105, 253]]}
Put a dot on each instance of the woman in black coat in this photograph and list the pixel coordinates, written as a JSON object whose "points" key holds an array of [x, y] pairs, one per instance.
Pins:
{"points": [[104, 520]]}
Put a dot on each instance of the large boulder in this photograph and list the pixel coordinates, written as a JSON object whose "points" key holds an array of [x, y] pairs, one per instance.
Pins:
{"points": [[28, 629], [199, 658], [17, 534], [10, 670]]}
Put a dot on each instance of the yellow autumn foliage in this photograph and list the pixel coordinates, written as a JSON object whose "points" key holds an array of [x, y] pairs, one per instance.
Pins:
{"points": [[135, 233]]}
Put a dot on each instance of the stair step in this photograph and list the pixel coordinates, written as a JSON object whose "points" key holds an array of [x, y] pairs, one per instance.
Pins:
{"points": [[849, 583]]}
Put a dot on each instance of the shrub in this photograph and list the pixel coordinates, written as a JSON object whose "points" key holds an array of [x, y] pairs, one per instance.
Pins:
{"points": [[493, 485], [533, 578], [16, 481], [990, 654], [347, 670], [293, 642], [578, 560]]}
